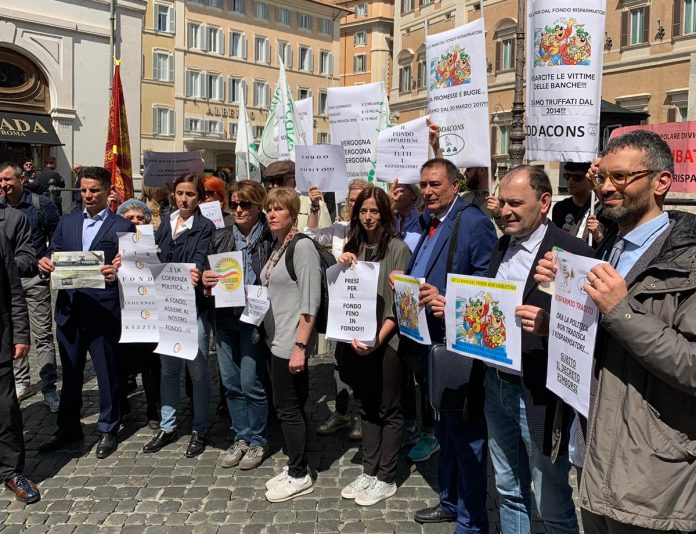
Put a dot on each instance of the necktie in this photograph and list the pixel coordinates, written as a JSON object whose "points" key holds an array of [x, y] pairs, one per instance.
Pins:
{"points": [[616, 251], [434, 222]]}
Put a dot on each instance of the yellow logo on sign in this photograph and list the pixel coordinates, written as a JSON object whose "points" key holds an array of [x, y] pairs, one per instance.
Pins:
{"points": [[230, 274]]}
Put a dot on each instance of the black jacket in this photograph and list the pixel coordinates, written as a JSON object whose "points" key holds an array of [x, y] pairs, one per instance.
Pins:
{"points": [[14, 318], [16, 228]]}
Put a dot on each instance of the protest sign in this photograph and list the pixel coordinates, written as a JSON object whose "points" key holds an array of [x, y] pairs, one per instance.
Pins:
{"points": [[305, 112], [138, 303], [572, 333], [564, 78], [480, 319], [401, 150], [458, 93], [213, 212], [229, 291], [162, 168], [681, 138], [352, 302], [257, 305], [138, 245], [323, 166], [78, 269], [176, 310], [409, 316], [356, 115]]}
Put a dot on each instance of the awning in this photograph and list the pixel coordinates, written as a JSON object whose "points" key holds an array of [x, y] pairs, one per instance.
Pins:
{"points": [[27, 128]]}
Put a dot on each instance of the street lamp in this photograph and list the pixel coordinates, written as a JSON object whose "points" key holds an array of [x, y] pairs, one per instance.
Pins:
{"points": [[516, 146]]}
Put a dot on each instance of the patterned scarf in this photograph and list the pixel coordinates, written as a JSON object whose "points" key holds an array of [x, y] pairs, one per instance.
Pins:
{"points": [[276, 255], [248, 248]]}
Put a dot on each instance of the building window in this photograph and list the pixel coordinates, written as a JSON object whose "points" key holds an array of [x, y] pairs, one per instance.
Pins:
{"points": [[283, 16], [211, 3], [285, 52], [361, 10], [262, 51], [326, 26], [323, 138], [258, 131], [235, 89], [503, 140], [303, 93], [304, 21], [238, 45], [360, 38], [425, 2], [635, 26], [306, 59], [683, 17], [163, 67], [360, 63], [214, 88], [325, 62], [261, 11], [193, 125], [194, 84], [232, 130], [214, 127], [238, 6], [162, 121], [422, 73], [196, 36], [504, 55], [322, 103], [406, 6], [164, 18], [405, 79], [216, 42], [262, 94]]}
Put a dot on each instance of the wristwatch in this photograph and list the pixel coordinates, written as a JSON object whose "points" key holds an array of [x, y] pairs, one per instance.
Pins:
{"points": [[302, 346]]}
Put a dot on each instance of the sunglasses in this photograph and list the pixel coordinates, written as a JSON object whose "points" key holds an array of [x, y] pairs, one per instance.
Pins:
{"points": [[573, 177], [244, 204], [620, 179], [210, 193]]}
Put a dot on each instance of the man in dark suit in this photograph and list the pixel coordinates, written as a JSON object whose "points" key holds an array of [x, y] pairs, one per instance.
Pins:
{"points": [[14, 344], [461, 438], [89, 319]]}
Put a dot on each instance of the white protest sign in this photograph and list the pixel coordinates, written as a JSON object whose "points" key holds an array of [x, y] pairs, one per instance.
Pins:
{"points": [[162, 168], [213, 212], [305, 112], [138, 303], [323, 166], [401, 150], [458, 93], [176, 310], [352, 302], [410, 317], [564, 78], [229, 291], [572, 333], [480, 319], [355, 115], [138, 245], [257, 305]]}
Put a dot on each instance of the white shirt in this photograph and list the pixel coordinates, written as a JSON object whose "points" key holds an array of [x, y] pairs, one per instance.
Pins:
{"points": [[186, 225], [518, 261]]}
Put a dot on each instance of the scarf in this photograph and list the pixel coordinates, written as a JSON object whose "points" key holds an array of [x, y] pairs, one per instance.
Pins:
{"points": [[276, 255], [248, 248]]}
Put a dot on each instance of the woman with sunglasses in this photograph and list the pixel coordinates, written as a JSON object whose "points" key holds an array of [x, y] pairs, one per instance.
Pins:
{"points": [[240, 347], [376, 373], [216, 189]]}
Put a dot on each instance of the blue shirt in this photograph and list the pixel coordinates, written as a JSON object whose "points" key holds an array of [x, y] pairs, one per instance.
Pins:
{"points": [[91, 226], [638, 241]]}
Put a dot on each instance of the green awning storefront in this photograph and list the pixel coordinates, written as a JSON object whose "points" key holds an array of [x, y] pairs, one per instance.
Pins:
{"points": [[27, 128]]}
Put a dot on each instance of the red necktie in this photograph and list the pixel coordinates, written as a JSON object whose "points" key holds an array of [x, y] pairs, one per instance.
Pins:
{"points": [[434, 222]]}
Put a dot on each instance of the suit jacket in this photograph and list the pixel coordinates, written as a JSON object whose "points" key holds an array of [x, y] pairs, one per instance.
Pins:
{"points": [[68, 237], [17, 229], [535, 348], [14, 318]]}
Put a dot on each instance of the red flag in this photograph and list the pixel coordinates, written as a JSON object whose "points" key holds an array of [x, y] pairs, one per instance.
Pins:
{"points": [[117, 156]]}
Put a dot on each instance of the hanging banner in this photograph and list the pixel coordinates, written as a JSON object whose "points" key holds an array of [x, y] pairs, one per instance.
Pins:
{"points": [[305, 109], [458, 93], [564, 78], [356, 115], [401, 150], [480, 319], [352, 302], [681, 138], [229, 291], [323, 166], [410, 317], [213, 212], [176, 310], [572, 333]]}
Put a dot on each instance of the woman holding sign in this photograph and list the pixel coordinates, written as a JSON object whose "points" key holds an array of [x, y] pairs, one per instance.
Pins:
{"points": [[291, 336], [240, 350], [184, 238], [376, 373]]}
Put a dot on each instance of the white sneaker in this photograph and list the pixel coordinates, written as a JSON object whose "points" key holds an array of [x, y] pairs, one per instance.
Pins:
{"points": [[279, 478], [375, 493], [358, 485], [290, 488], [23, 391], [52, 401]]}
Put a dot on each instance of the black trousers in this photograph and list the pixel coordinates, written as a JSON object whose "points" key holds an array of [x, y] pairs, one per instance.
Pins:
{"points": [[377, 380], [598, 524], [139, 358], [411, 355], [290, 393], [11, 427]]}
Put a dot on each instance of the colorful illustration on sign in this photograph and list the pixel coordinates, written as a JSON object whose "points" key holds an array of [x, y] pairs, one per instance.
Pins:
{"points": [[564, 43], [451, 69], [230, 274], [407, 312], [480, 327]]}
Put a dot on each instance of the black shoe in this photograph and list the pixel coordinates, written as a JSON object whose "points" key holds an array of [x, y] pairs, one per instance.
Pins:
{"points": [[60, 440], [434, 515], [106, 445], [24, 489], [159, 440], [197, 444]]}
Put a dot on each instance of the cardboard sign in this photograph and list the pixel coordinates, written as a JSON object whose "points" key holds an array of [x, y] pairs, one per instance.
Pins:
{"points": [[163, 168], [323, 166], [401, 150]]}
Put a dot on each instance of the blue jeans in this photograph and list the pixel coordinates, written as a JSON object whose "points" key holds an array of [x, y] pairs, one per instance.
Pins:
{"points": [[242, 367], [170, 389], [517, 462]]}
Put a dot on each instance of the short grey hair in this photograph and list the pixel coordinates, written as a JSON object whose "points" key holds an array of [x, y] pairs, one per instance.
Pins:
{"points": [[15, 168], [657, 156]]}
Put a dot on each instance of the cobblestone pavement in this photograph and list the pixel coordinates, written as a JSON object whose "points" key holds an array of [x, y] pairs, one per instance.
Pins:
{"points": [[132, 492]]}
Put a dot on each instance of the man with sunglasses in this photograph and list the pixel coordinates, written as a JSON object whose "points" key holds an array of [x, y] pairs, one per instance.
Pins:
{"points": [[570, 214], [640, 463]]}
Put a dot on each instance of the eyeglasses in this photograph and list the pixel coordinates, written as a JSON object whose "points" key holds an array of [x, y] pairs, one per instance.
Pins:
{"points": [[620, 179], [244, 204], [569, 176], [210, 193]]}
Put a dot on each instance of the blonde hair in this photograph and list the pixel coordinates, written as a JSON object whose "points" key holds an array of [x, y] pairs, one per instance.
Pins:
{"points": [[359, 184], [284, 197], [249, 190]]}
